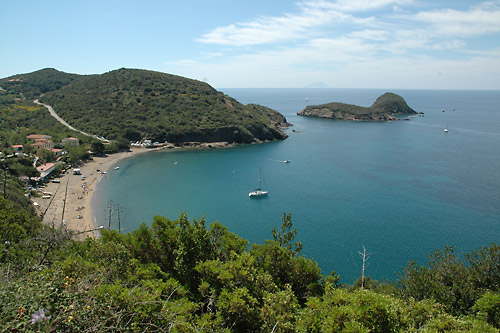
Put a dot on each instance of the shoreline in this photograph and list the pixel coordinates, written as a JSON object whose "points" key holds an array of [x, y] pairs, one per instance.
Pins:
{"points": [[72, 199], [70, 205]]}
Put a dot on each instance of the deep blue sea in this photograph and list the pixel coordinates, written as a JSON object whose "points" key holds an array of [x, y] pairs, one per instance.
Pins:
{"points": [[401, 189]]}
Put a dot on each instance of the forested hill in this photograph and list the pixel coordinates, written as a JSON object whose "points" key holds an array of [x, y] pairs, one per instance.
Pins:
{"points": [[140, 104], [32, 85], [386, 107]]}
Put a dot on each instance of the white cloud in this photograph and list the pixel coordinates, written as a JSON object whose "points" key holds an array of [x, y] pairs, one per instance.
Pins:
{"points": [[321, 18], [370, 34], [364, 43], [450, 22], [264, 30], [357, 5]]}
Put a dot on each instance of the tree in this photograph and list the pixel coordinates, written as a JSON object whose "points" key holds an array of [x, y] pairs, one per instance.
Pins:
{"points": [[97, 147], [365, 256], [446, 279], [77, 154], [132, 134], [484, 267], [280, 259], [286, 235], [488, 308], [46, 156]]}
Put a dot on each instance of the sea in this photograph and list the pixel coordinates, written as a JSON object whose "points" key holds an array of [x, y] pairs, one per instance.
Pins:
{"points": [[399, 189]]}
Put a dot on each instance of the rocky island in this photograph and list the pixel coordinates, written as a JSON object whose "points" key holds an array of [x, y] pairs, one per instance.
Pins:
{"points": [[387, 107]]}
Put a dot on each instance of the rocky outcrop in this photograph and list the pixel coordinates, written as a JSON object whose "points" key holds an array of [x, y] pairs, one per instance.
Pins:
{"points": [[386, 107]]}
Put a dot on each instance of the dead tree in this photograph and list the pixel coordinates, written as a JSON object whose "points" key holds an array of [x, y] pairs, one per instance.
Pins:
{"points": [[365, 256]]}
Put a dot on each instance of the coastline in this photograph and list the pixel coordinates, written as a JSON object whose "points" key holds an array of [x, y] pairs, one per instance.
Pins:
{"points": [[70, 205]]}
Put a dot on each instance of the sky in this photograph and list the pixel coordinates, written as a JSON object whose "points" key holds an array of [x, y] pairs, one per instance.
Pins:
{"points": [[398, 44]]}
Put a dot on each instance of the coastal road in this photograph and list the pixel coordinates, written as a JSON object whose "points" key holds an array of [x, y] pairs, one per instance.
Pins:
{"points": [[62, 121]]}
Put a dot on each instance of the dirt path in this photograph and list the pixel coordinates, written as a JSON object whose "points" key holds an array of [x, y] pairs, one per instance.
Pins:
{"points": [[62, 121]]}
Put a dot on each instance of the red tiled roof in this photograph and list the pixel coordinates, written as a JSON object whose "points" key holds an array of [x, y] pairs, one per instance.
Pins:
{"points": [[38, 136]]}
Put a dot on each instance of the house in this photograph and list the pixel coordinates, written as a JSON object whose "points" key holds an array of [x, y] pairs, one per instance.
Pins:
{"points": [[36, 137], [70, 141], [41, 144], [58, 152], [18, 149], [45, 170], [42, 141]]}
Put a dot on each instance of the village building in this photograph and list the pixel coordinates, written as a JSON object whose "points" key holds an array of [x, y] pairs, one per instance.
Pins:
{"points": [[36, 137], [18, 149], [37, 146], [58, 152], [70, 142], [45, 170], [42, 141]]}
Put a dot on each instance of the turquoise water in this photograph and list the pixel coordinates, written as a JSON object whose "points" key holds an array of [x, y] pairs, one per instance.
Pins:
{"points": [[401, 189]]}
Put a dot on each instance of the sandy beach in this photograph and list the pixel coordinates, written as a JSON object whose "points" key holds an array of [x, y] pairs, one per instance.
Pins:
{"points": [[70, 203]]}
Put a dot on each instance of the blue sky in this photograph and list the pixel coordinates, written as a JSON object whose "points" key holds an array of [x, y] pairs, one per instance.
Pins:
{"points": [[406, 44]]}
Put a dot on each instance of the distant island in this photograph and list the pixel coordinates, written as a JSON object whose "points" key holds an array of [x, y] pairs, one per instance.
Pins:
{"points": [[317, 84], [386, 107], [139, 104]]}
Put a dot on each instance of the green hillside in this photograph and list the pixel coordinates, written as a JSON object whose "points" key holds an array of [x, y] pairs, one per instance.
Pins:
{"points": [[139, 104], [32, 85], [386, 107]]}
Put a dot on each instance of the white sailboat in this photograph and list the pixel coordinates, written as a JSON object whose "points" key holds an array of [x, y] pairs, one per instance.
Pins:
{"points": [[258, 192]]}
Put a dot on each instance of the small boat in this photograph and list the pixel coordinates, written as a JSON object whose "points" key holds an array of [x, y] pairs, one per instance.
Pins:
{"points": [[258, 192], [286, 161], [446, 128], [116, 168]]}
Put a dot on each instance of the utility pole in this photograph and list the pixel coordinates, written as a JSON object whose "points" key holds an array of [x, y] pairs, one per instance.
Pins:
{"points": [[118, 211], [365, 256], [64, 203], [110, 206]]}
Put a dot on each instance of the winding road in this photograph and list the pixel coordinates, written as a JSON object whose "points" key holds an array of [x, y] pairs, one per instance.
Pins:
{"points": [[62, 121]]}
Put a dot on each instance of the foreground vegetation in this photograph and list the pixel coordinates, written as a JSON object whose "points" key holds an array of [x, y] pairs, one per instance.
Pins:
{"points": [[185, 276]]}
